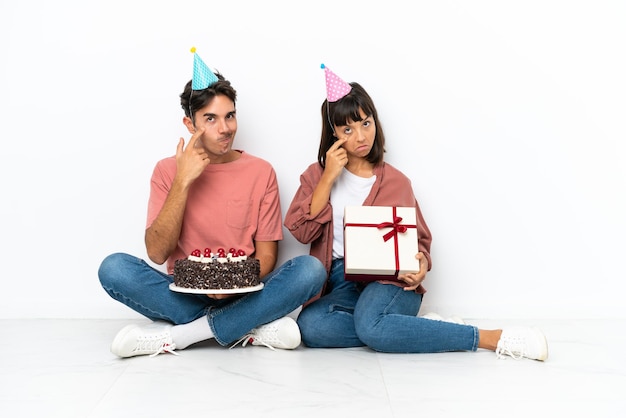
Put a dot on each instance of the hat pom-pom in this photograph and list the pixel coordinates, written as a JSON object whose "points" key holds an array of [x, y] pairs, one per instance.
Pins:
{"points": [[193, 49], [322, 66]]}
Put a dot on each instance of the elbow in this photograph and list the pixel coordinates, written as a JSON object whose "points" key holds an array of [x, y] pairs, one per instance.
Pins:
{"points": [[156, 258], [156, 255]]}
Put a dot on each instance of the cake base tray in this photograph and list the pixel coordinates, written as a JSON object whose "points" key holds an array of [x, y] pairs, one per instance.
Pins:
{"points": [[215, 291]]}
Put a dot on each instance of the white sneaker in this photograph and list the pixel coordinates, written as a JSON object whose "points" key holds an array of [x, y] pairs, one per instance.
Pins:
{"points": [[135, 340], [520, 342], [456, 319], [436, 317], [282, 333]]}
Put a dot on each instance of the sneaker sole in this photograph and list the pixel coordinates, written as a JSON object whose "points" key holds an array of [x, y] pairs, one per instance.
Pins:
{"points": [[544, 349]]}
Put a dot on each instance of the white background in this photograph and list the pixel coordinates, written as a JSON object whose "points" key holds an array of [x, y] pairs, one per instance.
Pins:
{"points": [[509, 117]]}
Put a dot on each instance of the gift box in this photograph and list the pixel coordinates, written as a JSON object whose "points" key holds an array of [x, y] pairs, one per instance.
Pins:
{"points": [[379, 242]]}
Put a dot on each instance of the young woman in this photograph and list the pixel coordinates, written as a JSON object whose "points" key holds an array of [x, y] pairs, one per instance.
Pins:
{"points": [[382, 314]]}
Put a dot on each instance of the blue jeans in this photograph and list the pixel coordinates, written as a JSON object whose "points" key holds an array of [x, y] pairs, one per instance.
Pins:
{"points": [[144, 289], [380, 316]]}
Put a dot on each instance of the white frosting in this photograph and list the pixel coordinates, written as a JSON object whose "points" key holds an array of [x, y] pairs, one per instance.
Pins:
{"points": [[214, 257], [201, 259]]}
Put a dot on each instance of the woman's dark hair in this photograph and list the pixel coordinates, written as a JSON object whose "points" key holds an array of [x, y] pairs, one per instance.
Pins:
{"points": [[193, 100], [348, 109]]}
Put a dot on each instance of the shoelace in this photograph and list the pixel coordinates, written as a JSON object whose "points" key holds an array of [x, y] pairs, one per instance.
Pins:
{"points": [[504, 350], [249, 338], [157, 344], [165, 348]]}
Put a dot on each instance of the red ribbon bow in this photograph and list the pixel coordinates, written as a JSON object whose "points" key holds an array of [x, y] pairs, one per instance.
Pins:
{"points": [[395, 225]]}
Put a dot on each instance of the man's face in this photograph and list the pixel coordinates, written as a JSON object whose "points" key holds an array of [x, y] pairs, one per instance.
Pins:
{"points": [[219, 120]]}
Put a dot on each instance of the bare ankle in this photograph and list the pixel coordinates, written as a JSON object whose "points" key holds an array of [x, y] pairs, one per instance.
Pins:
{"points": [[488, 339]]}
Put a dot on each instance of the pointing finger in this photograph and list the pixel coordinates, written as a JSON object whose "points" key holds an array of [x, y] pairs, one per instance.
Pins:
{"points": [[338, 143], [180, 146], [194, 138]]}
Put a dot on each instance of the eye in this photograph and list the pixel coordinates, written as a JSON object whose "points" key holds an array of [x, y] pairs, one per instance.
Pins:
{"points": [[347, 131], [367, 123]]}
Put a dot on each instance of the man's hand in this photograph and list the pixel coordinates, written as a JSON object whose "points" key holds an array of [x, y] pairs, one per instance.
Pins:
{"points": [[191, 160], [218, 296]]}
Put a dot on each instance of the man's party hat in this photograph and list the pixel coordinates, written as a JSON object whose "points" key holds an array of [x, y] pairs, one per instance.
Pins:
{"points": [[336, 88], [203, 77]]}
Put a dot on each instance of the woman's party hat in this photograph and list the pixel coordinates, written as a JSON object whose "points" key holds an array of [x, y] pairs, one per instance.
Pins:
{"points": [[336, 88]]}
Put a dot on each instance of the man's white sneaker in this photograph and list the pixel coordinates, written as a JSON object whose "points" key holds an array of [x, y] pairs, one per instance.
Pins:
{"points": [[135, 340], [435, 316], [282, 333], [520, 342]]}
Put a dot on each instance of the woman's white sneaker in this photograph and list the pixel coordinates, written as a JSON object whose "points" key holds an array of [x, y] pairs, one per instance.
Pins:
{"points": [[522, 342], [436, 317]]}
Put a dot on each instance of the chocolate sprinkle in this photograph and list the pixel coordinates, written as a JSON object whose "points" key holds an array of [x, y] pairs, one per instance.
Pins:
{"points": [[217, 276]]}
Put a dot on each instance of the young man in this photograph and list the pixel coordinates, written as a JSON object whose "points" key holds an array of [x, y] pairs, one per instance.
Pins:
{"points": [[210, 195]]}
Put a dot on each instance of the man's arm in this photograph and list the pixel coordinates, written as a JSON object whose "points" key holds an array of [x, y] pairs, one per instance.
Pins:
{"points": [[267, 253], [162, 236]]}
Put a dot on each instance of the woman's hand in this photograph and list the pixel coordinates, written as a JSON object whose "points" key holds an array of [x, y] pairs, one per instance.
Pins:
{"points": [[413, 280], [336, 159]]}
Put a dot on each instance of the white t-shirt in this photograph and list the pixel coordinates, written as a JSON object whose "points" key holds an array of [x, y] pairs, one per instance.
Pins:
{"points": [[348, 190]]}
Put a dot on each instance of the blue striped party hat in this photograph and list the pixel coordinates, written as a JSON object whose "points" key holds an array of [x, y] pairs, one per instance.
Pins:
{"points": [[203, 77]]}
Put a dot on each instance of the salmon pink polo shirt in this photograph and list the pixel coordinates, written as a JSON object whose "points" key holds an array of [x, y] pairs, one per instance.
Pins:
{"points": [[230, 205]]}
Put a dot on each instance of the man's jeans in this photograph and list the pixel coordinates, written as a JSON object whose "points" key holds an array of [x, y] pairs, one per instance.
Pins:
{"points": [[144, 289]]}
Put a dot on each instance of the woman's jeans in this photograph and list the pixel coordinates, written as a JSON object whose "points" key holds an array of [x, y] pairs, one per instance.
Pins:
{"points": [[144, 289], [381, 316]]}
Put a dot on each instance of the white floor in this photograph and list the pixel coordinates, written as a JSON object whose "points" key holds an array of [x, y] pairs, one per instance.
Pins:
{"points": [[63, 368]]}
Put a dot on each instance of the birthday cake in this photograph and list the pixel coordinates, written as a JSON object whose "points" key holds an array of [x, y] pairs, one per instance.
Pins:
{"points": [[217, 271]]}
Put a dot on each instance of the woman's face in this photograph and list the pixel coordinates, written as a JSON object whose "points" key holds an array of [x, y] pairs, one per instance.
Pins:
{"points": [[359, 135]]}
